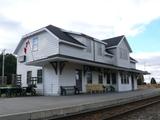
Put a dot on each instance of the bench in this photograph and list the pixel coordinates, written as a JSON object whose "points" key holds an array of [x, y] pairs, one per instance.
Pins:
{"points": [[69, 89]]}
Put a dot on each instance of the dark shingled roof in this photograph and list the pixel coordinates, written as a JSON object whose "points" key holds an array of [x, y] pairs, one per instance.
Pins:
{"points": [[62, 35], [113, 41]]}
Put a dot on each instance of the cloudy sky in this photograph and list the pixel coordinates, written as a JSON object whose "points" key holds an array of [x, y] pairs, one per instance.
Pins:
{"points": [[139, 20]]}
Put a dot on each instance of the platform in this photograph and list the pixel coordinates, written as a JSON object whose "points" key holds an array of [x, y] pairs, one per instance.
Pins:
{"points": [[39, 107]]}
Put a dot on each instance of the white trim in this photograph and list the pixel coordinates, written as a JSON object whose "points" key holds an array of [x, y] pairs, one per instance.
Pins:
{"points": [[126, 43], [120, 41], [78, 33], [111, 47], [34, 32], [108, 54], [51, 33], [80, 46]]}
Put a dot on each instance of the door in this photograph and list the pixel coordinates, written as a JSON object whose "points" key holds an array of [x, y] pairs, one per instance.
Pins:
{"points": [[78, 78], [132, 79]]}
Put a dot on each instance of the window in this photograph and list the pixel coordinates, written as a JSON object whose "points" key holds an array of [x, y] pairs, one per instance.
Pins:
{"points": [[123, 54], [114, 78], [108, 78], [124, 78], [89, 77], [39, 76], [100, 78], [99, 49], [29, 75], [88, 44], [35, 44]]}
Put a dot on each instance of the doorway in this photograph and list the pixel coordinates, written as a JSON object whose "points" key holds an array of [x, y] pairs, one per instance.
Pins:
{"points": [[78, 78], [132, 81]]}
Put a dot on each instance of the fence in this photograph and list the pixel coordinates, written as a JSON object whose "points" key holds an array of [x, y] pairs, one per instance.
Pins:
{"points": [[148, 86]]}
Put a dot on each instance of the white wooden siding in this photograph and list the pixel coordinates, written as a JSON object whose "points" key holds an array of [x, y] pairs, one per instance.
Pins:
{"points": [[50, 80], [123, 62], [124, 87], [132, 65], [47, 46], [75, 52], [102, 58], [22, 70]]}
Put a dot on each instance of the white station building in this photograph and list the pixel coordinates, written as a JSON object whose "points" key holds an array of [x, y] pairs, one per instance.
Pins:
{"points": [[58, 57]]}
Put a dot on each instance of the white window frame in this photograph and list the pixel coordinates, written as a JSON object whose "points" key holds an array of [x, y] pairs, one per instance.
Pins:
{"points": [[35, 44]]}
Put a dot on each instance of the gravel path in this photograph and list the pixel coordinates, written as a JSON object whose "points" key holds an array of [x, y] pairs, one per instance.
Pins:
{"points": [[148, 113]]}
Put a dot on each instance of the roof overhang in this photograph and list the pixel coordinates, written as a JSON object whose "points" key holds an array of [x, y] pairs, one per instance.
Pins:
{"points": [[59, 57]]}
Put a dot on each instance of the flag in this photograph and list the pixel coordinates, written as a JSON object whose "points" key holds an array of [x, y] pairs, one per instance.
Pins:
{"points": [[25, 48]]}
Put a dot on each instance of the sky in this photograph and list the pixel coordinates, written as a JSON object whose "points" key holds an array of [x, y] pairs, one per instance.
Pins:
{"points": [[138, 20]]}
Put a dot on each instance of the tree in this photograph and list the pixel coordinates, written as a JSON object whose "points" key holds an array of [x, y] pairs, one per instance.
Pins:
{"points": [[10, 66], [153, 81]]}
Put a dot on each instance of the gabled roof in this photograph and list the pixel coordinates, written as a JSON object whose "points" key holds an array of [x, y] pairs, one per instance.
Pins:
{"points": [[113, 41], [63, 35], [85, 36]]}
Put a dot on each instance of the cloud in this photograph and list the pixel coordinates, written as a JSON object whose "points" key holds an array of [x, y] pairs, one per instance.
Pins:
{"points": [[10, 31], [98, 18], [149, 61], [8, 24]]}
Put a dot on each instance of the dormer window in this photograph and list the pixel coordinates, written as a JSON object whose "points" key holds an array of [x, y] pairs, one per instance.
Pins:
{"points": [[99, 49], [35, 44], [88, 44]]}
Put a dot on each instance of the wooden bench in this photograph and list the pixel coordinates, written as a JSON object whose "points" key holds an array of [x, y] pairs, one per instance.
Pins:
{"points": [[69, 89], [95, 88]]}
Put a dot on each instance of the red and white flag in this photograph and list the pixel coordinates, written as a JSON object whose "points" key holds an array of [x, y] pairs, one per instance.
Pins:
{"points": [[26, 47]]}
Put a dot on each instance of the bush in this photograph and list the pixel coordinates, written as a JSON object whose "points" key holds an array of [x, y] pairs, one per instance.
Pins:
{"points": [[153, 81]]}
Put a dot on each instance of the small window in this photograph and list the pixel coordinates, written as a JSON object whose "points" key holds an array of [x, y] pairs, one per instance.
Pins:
{"points": [[88, 44], [100, 78], [99, 49], [35, 44], [39, 76], [124, 78], [114, 78], [108, 78], [89, 77], [29, 76]]}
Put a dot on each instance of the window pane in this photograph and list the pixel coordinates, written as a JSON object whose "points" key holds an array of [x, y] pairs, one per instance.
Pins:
{"points": [[99, 49], [108, 78], [35, 44], [39, 76], [29, 75], [88, 44], [100, 78], [89, 77], [113, 78]]}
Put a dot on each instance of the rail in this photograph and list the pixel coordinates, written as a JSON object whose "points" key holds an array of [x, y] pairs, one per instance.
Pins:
{"points": [[112, 112]]}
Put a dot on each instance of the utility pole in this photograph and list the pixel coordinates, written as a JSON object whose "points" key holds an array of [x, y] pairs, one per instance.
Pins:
{"points": [[3, 62]]}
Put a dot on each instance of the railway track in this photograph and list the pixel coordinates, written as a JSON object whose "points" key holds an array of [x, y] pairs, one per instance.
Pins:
{"points": [[112, 112]]}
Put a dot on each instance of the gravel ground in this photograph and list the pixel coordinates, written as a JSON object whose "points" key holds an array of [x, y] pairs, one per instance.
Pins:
{"points": [[148, 113]]}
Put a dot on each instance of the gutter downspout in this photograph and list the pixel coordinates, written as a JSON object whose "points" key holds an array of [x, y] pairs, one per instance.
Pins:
{"points": [[93, 50]]}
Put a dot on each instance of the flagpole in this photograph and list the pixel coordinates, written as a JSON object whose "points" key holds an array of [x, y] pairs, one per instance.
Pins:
{"points": [[3, 62]]}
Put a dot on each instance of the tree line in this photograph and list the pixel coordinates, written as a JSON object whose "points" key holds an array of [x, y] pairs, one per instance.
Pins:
{"points": [[10, 66]]}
